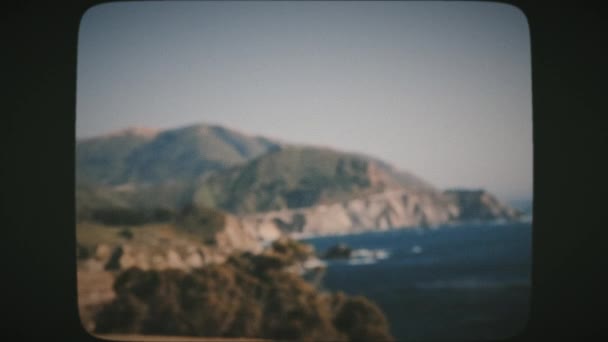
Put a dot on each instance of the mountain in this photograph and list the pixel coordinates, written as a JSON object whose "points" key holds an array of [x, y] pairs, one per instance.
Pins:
{"points": [[310, 191], [299, 177], [103, 160], [154, 157], [272, 188]]}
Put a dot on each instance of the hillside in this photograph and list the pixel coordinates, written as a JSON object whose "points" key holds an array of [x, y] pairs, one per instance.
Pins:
{"points": [[181, 154], [103, 160], [168, 196], [299, 177], [272, 188]]}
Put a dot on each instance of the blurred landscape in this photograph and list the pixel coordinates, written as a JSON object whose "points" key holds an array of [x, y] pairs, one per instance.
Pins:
{"points": [[197, 231], [318, 171]]}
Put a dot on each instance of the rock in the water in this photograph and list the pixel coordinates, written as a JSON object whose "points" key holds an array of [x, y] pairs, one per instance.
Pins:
{"points": [[339, 251]]}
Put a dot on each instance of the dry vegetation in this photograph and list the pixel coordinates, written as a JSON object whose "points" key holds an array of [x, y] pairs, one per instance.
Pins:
{"points": [[249, 296]]}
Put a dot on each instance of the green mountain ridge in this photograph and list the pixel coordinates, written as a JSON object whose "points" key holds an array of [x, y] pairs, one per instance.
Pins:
{"points": [[220, 168], [141, 175], [103, 160], [298, 177], [180, 154]]}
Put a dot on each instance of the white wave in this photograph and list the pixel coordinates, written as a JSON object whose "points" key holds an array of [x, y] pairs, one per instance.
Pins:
{"points": [[416, 249], [382, 254], [365, 253], [314, 263], [362, 261], [362, 253]]}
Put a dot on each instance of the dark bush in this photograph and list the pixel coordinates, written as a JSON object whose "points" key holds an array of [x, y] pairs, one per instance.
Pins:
{"points": [[126, 233], [124, 314], [203, 222], [116, 216], [82, 252], [162, 215], [247, 296], [362, 320], [113, 263]]}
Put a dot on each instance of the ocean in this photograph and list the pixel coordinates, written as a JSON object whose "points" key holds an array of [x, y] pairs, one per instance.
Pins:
{"points": [[453, 283]]}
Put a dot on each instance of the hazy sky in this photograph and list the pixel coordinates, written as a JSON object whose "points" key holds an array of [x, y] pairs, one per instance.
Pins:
{"points": [[442, 89]]}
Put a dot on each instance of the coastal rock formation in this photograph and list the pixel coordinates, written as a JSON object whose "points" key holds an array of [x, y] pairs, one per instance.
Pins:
{"points": [[339, 251], [382, 211], [195, 239], [480, 205], [390, 209]]}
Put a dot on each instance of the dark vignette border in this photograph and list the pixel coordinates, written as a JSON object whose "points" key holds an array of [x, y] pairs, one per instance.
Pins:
{"points": [[568, 73]]}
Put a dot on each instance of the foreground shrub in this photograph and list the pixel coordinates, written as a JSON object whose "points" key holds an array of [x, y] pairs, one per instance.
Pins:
{"points": [[248, 296]]}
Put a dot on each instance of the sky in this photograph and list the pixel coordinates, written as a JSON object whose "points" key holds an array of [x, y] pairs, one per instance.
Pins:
{"points": [[440, 89]]}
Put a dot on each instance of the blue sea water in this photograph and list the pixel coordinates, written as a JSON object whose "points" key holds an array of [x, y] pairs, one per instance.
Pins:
{"points": [[454, 283]]}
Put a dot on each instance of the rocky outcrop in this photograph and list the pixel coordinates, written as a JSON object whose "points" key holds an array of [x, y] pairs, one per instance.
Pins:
{"points": [[152, 249], [480, 205], [339, 251], [389, 209], [237, 237], [173, 249]]}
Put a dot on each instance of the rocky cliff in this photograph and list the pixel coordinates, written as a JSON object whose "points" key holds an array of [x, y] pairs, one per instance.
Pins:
{"points": [[389, 209], [480, 205], [161, 246]]}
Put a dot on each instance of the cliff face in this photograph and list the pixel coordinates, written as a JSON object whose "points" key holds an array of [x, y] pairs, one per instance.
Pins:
{"points": [[480, 205], [162, 246], [389, 209]]}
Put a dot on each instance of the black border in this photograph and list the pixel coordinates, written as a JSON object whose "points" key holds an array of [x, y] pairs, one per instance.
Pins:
{"points": [[569, 77]]}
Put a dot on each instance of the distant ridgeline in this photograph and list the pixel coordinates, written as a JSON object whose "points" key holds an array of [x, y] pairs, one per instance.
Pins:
{"points": [[271, 188]]}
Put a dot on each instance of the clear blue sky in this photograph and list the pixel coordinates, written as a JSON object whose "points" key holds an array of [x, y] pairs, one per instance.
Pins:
{"points": [[442, 89]]}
